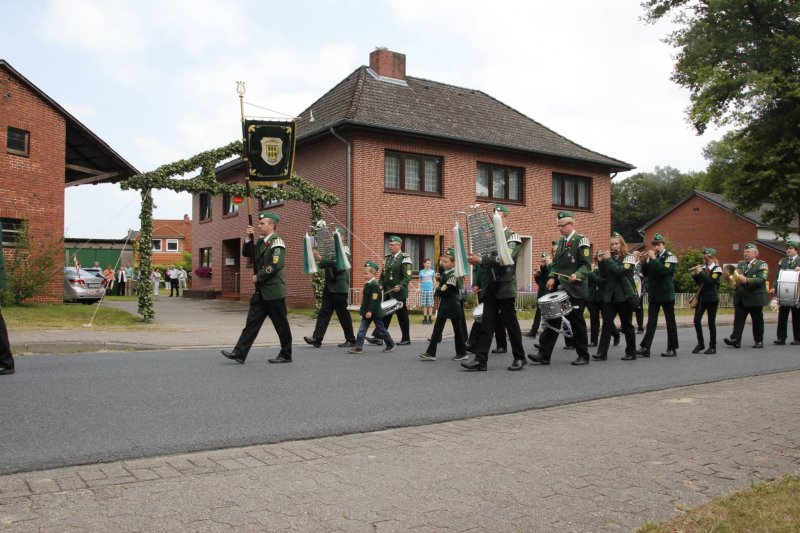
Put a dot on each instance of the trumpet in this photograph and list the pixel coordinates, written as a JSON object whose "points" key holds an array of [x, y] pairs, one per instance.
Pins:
{"points": [[733, 276]]}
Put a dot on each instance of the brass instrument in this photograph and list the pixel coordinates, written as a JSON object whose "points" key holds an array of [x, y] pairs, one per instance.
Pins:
{"points": [[733, 276]]}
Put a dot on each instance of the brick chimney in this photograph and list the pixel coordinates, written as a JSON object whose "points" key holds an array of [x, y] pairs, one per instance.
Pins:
{"points": [[388, 64]]}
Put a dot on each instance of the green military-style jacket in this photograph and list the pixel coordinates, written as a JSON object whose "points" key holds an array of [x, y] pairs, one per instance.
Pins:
{"points": [[618, 273], [660, 282], [787, 263], [371, 300], [572, 257], [336, 281], [499, 278], [269, 261], [754, 292], [449, 293], [709, 279], [396, 271], [596, 286], [540, 277]]}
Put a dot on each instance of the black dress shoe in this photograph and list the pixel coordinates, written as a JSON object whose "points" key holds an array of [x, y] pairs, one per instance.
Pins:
{"points": [[780, 342], [794, 343], [233, 355], [699, 348], [9, 371], [670, 353], [731, 342], [403, 343], [592, 344], [711, 350], [313, 342], [474, 365], [538, 359], [499, 350], [580, 361], [641, 352], [600, 357], [629, 358], [616, 340], [640, 330], [346, 344], [537, 345], [518, 364], [759, 344], [531, 335], [280, 359], [373, 340]]}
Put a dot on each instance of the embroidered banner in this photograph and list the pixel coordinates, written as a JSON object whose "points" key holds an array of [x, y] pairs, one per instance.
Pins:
{"points": [[270, 154]]}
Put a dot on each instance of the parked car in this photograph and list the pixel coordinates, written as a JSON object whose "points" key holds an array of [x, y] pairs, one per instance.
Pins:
{"points": [[84, 286]]}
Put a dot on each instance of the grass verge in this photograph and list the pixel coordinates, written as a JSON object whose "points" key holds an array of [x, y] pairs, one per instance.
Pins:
{"points": [[773, 506], [66, 316]]}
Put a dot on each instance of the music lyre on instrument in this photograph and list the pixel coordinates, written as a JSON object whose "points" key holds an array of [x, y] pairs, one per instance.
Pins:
{"points": [[480, 229], [323, 239]]}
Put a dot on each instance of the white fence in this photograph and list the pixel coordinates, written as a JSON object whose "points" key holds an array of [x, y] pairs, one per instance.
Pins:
{"points": [[527, 300]]}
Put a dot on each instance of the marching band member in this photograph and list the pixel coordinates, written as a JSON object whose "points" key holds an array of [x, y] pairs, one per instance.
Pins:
{"points": [[394, 279], [659, 269], [707, 277], [790, 262], [749, 298], [450, 308], [617, 267]]}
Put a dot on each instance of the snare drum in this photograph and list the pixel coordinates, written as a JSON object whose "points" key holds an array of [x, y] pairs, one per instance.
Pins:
{"points": [[390, 306], [786, 289], [554, 305], [477, 313]]}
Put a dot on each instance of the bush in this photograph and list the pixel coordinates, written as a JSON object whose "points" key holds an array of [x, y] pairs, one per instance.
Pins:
{"points": [[29, 269]]}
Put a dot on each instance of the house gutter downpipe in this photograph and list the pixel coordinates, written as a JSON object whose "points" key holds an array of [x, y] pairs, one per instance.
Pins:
{"points": [[349, 189]]}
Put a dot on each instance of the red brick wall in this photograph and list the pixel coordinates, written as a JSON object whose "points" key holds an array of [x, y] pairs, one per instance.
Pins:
{"points": [[32, 188], [179, 229], [698, 222]]}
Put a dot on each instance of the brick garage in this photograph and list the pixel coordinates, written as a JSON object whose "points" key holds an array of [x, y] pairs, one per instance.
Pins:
{"points": [[378, 110], [60, 151], [707, 219]]}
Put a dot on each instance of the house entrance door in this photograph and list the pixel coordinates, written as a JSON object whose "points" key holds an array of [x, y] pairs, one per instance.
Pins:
{"points": [[231, 254]]}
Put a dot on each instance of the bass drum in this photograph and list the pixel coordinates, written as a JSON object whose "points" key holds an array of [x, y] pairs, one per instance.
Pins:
{"points": [[786, 289]]}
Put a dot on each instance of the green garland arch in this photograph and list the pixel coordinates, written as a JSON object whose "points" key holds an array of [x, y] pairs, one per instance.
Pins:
{"points": [[206, 182]]}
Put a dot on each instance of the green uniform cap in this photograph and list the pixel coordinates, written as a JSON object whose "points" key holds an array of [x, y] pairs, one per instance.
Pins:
{"points": [[269, 214], [565, 214], [793, 244], [501, 208], [750, 246], [451, 252], [395, 238], [371, 264], [711, 251], [614, 235], [658, 238]]}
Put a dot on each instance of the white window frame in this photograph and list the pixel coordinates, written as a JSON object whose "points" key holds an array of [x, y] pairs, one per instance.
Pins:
{"points": [[176, 243]]}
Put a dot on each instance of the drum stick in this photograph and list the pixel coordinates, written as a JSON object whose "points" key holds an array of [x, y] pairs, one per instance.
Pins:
{"points": [[566, 276]]}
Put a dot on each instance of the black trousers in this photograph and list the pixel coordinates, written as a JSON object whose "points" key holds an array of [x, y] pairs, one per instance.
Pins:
{"points": [[259, 310], [499, 335], [579, 339], [120, 288], [652, 322], [595, 309], [740, 313], [610, 312], [334, 302], [709, 308], [173, 286], [6, 359], [783, 322], [458, 334], [640, 313], [402, 318], [498, 310]]}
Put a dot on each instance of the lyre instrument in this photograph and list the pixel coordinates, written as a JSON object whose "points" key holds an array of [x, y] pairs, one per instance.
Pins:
{"points": [[323, 239], [480, 229]]}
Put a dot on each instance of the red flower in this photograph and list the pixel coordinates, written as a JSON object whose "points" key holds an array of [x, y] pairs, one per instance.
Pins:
{"points": [[569, 244]]}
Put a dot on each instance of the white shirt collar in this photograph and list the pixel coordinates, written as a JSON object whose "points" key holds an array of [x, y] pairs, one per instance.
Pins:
{"points": [[568, 237]]}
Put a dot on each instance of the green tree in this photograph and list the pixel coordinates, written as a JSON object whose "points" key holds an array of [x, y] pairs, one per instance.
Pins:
{"points": [[30, 267], [740, 59], [643, 196]]}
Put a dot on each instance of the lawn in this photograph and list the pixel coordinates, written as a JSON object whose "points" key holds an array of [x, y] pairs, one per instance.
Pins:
{"points": [[767, 507], [67, 316]]}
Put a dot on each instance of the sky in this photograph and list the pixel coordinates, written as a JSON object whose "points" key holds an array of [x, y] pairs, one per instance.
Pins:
{"points": [[156, 79]]}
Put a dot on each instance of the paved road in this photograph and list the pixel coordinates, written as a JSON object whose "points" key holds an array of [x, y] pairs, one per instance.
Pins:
{"points": [[81, 409]]}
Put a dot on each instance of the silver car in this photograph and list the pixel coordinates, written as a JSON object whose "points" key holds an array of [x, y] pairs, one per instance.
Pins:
{"points": [[84, 286]]}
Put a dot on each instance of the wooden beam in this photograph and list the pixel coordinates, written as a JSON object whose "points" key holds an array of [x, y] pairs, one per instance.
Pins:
{"points": [[92, 179], [85, 170]]}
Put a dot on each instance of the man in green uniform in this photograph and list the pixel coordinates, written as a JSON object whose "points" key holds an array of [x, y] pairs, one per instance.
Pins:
{"points": [[749, 298], [269, 299], [498, 293], [790, 262], [572, 264], [395, 276], [334, 298], [6, 359], [659, 268]]}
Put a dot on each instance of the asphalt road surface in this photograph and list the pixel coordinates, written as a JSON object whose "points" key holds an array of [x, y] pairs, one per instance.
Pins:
{"points": [[81, 409]]}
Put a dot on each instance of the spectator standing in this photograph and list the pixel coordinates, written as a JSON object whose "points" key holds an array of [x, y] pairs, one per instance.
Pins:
{"points": [[183, 278], [426, 276], [172, 275], [155, 277], [108, 274], [131, 285], [122, 281]]}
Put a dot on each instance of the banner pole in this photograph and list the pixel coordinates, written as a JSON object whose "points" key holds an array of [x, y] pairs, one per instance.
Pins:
{"points": [[245, 149]]}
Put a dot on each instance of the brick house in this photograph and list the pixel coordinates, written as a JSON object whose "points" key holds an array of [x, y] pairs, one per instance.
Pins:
{"points": [[706, 219], [403, 155], [42, 150], [170, 239]]}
